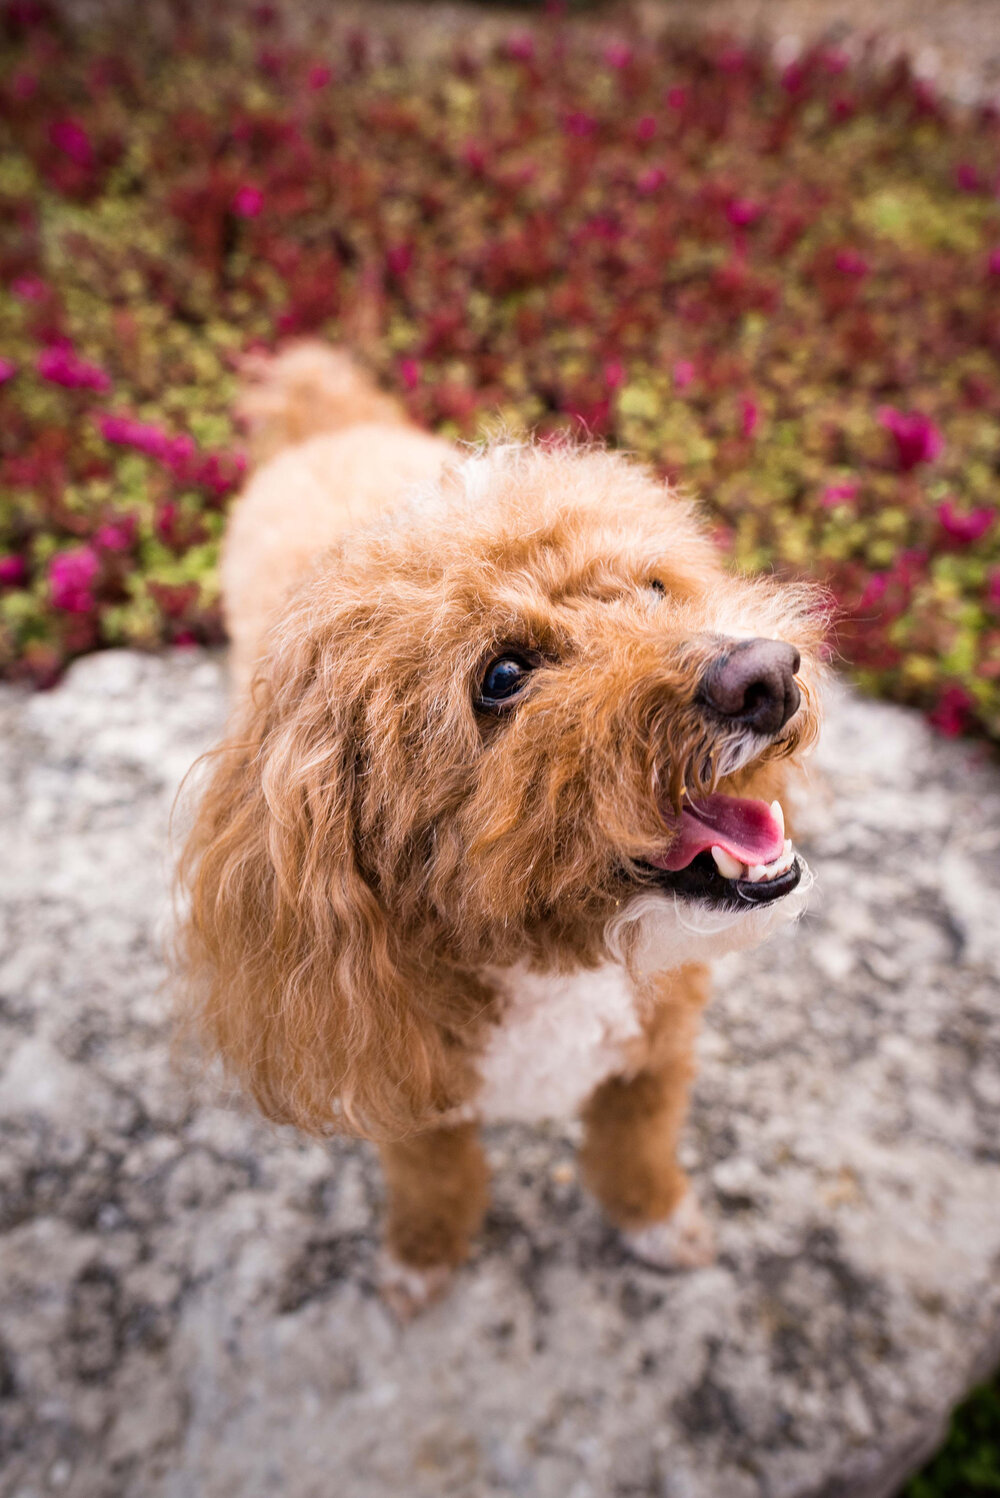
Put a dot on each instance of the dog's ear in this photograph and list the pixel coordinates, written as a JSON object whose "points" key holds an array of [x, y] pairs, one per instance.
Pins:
{"points": [[295, 975]]}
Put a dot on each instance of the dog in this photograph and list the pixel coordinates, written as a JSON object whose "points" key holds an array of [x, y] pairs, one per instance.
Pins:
{"points": [[505, 772]]}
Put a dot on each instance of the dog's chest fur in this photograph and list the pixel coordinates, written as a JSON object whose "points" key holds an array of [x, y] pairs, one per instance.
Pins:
{"points": [[559, 1036]]}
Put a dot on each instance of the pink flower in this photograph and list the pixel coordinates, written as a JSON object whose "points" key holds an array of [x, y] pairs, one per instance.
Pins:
{"points": [[409, 371], [29, 288], [61, 366], [839, 494], [993, 263], [580, 124], [874, 591], [953, 712], [966, 177], [115, 537], [677, 97], [732, 60], [618, 54], [851, 263], [965, 527], [614, 374], [651, 180], [749, 416], [71, 577], [474, 155], [247, 202], [398, 259], [645, 130], [683, 373], [917, 438], [7, 370], [70, 137], [319, 75], [742, 212], [125, 431], [521, 47], [12, 571]]}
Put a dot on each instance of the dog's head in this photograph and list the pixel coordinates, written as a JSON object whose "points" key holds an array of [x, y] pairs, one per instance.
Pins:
{"points": [[530, 718]]}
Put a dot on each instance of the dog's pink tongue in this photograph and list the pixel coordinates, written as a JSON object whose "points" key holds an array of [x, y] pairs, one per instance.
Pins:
{"points": [[747, 830]]}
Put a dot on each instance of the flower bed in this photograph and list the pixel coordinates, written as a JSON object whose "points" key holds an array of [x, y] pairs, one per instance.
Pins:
{"points": [[779, 285]]}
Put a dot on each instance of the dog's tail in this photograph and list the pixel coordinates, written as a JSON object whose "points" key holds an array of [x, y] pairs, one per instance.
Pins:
{"points": [[306, 389]]}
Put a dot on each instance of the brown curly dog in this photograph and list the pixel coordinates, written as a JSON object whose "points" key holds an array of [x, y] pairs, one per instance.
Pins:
{"points": [[505, 771]]}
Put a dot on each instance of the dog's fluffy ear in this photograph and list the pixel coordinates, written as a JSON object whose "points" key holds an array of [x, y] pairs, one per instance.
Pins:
{"points": [[295, 975]]}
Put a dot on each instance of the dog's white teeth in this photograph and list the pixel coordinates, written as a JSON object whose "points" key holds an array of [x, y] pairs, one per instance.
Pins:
{"points": [[758, 872], [788, 846], [778, 814], [728, 866]]}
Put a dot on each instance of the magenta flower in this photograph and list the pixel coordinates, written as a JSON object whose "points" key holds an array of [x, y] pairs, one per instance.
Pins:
{"points": [[742, 212], [29, 288], [954, 712], [651, 180], [124, 431], [839, 494], [618, 54], [70, 137], [993, 263], [645, 130], [614, 374], [7, 370], [247, 202], [409, 371], [398, 259], [732, 60], [677, 97], [851, 263], [12, 571], [474, 155], [521, 47], [115, 537], [965, 527], [61, 366], [683, 373], [71, 578], [580, 124], [319, 75], [749, 416], [916, 437], [967, 178]]}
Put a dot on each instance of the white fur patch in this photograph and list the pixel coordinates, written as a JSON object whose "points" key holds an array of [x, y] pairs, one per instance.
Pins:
{"points": [[560, 1037]]}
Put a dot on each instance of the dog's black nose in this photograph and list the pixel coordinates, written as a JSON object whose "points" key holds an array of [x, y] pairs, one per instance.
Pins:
{"points": [[753, 683]]}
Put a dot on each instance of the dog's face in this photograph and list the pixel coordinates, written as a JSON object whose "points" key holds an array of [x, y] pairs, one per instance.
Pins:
{"points": [[528, 719], [549, 695]]}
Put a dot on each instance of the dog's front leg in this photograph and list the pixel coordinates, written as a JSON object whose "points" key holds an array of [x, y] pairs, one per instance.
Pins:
{"points": [[632, 1125], [436, 1185]]}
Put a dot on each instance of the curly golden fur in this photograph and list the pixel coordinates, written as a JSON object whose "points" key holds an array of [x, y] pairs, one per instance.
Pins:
{"points": [[370, 851]]}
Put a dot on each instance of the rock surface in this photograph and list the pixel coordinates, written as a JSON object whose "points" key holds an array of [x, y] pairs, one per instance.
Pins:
{"points": [[189, 1303]]}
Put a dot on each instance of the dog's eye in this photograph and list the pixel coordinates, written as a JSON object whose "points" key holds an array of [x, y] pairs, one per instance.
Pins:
{"points": [[656, 586], [502, 681]]}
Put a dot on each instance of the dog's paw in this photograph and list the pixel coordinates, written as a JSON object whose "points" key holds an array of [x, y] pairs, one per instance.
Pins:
{"points": [[684, 1240], [408, 1291]]}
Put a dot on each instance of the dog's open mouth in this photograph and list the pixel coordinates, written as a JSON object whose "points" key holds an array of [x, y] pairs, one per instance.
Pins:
{"points": [[729, 850]]}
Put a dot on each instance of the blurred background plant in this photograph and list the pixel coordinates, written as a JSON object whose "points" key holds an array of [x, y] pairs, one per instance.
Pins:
{"points": [[779, 283]]}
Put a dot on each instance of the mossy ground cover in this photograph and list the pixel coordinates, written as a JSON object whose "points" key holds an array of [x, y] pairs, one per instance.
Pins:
{"points": [[780, 285]]}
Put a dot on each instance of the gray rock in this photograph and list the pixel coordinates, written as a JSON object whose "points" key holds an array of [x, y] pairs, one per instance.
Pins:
{"points": [[189, 1306]]}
